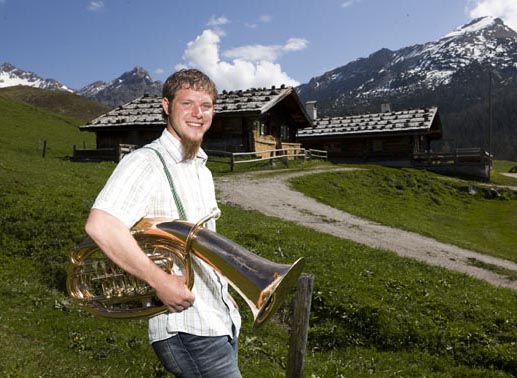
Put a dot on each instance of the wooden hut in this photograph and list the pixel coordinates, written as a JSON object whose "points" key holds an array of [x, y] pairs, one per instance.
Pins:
{"points": [[387, 136]]}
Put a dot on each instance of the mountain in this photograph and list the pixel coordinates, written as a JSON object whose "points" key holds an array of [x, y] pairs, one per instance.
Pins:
{"points": [[453, 73], [12, 76], [127, 87]]}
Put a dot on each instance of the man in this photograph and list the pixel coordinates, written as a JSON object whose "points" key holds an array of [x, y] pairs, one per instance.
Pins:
{"points": [[198, 336]]}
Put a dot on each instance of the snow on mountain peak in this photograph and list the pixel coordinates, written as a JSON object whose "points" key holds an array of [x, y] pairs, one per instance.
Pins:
{"points": [[472, 27], [11, 76], [484, 42]]}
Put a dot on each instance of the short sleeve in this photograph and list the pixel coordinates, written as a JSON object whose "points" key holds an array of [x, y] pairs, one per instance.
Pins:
{"points": [[129, 189]]}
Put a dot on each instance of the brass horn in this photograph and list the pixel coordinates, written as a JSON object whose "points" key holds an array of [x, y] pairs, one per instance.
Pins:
{"points": [[106, 290]]}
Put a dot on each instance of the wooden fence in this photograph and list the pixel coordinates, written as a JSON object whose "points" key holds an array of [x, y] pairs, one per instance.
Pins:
{"points": [[283, 155], [474, 162], [460, 156], [103, 154]]}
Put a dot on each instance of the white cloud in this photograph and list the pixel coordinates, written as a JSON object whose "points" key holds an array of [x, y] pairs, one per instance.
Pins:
{"points": [[250, 66], [159, 71], [254, 53], [349, 3], [265, 18], [217, 21], [504, 9], [295, 44], [96, 5], [271, 53]]}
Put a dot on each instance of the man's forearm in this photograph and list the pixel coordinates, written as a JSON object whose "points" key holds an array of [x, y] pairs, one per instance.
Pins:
{"points": [[115, 240]]}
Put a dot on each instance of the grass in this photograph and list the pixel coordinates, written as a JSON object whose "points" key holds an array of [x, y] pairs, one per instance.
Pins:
{"points": [[502, 166], [374, 314], [510, 275], [464, 213]]}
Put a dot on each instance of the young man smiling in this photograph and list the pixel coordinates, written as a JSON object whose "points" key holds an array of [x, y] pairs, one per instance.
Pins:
{"points": [[198, 336]]}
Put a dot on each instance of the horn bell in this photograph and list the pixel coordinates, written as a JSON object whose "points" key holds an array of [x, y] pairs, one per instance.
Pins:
{"points": [[263, 284]]}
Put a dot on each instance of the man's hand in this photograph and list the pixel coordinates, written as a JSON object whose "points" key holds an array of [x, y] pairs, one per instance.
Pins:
{"points": [[173, 292]]}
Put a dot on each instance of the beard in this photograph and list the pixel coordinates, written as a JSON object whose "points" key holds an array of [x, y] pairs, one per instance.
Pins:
{"points": [[190, 148]]}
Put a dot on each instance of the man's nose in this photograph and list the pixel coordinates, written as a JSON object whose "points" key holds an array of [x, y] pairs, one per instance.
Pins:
{"points": [[197, 111]]}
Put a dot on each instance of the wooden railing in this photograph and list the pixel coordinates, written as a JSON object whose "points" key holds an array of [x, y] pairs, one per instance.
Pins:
{"points": [[283, 154], [460, 156], [103, 154], [471, 162]]}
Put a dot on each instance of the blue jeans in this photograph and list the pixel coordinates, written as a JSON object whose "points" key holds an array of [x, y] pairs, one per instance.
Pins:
{"points": [[191, 356]]}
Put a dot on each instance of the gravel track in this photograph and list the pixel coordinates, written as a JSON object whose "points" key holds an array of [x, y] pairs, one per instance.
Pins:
{"points": [[272, 196]]}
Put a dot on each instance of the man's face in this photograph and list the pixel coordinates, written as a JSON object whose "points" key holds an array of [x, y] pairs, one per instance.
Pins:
{"points": [[190, 115]]}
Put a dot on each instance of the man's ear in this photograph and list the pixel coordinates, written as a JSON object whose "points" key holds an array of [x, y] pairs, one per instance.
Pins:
{"points": [[165, 105]]}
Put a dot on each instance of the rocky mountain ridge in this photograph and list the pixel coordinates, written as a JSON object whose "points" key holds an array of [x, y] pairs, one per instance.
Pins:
{"points": [[123, 89], [126, 87], [484, 42]]}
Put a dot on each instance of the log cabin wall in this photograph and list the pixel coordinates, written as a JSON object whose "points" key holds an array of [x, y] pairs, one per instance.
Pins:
{"points": [[228, 134]]}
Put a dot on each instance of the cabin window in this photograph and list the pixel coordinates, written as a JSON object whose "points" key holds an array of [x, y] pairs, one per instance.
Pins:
{"points": [[284, 132], [259, 127]]}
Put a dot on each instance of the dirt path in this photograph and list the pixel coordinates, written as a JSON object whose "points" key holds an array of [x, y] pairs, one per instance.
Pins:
{"points": [[272, 196]]}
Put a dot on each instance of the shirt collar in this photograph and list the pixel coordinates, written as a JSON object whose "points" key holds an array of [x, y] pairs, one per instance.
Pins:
{"points": [[175, 148]]}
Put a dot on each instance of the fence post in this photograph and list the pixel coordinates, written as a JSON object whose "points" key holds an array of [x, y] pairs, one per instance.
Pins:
{"points": [[44, 148], [232, 163], [300, 326]]}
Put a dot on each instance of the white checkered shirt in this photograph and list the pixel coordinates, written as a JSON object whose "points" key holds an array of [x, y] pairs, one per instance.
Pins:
{"points": [[139, 188]]}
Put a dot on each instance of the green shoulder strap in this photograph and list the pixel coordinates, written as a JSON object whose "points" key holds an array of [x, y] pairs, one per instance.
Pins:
{"points": [[177, 199]]}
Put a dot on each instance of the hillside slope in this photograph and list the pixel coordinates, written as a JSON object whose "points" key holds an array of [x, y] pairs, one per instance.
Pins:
{"points": [[24, 128], [60, 102]]}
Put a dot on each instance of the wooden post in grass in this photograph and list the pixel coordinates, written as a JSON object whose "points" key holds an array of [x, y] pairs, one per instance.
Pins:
{"points": [[300, 326], [44, 148]]}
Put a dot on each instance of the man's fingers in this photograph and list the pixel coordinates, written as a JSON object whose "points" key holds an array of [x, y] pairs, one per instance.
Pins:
{"points": [[180, 307], [178, 296], [189, 295]]}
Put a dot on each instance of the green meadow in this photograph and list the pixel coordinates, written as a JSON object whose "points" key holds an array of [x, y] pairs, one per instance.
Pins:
{"points": [[469, 214], [374, 314]]}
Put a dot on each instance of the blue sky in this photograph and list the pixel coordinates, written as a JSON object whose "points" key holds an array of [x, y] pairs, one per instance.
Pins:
{"points": [[239, 43]]}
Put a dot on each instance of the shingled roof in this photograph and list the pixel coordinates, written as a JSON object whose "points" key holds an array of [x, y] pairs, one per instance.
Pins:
{"points": [[147, 110], [406, 121], [251, 100], [144, 110]]}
